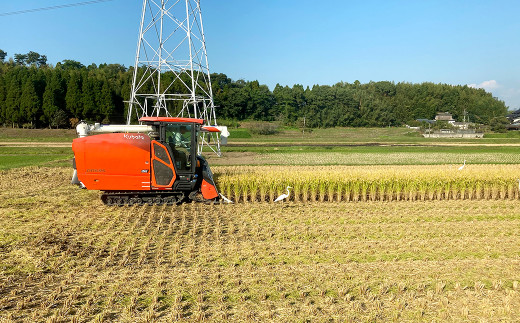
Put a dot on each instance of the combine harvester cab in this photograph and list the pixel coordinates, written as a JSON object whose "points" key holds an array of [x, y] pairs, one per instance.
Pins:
{"points": [[153, 163]]}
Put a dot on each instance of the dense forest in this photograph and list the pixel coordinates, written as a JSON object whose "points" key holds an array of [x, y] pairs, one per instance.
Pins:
{"points": [[35, 94]]}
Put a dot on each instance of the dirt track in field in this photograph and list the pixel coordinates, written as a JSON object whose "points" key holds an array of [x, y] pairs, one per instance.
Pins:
{"points": [[24, 144], [287, 144]]}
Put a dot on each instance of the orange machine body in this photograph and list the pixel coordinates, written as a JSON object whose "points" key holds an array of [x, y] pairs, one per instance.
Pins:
{"points": [[114, 161]]}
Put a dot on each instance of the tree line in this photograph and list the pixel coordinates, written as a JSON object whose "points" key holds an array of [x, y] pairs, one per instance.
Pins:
{"points": [[35, 94]]}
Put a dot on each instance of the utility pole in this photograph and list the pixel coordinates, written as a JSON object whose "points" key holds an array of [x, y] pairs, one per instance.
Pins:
{"points": [[171, 71], [464, 120]]}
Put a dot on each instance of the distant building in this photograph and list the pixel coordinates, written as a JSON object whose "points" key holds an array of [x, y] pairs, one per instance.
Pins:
{"points": [[425, 120], [461, 125], [514, 126], [514, 117], [441, 116], [458, 129], [444, 116], [448, 117]]}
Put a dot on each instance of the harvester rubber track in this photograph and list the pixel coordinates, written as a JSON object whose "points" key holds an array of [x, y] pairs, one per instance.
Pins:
{"points": [[151, 198]]}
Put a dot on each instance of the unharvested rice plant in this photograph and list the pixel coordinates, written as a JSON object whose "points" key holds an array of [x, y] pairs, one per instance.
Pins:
{"points": [[370, 183], [66, 257]]}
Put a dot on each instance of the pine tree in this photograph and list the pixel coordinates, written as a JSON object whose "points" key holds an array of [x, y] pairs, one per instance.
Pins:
{"points": [[73, 98], [12, 102], [88, 98], [106, 102], [30, 102], [53, 96], [2, 99]]}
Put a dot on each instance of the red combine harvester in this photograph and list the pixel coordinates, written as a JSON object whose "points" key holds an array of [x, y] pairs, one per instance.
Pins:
{"points": [[153, 163]]}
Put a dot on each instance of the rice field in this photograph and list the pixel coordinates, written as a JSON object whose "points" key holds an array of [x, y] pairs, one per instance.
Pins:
{"points": [[64, 257], [387, 158], [370, 183]]}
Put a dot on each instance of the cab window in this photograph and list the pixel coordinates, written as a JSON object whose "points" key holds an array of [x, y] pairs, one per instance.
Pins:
{"points": [[178, 137]]}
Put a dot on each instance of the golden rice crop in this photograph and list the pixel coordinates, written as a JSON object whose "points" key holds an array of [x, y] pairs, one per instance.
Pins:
{"points": [[369, 183]]}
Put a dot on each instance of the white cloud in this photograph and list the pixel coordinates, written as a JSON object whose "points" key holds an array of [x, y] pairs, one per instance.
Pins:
{"points": [[511, 97], [509, 93], [486, 85]]}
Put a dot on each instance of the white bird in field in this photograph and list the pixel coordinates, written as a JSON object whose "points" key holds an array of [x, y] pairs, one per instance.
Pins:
{"points": [[519, 184], [283, 196], [225, 199], [462, 167]]}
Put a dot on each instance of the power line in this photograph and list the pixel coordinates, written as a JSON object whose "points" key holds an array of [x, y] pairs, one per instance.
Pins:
{"points": [[77, 4]]}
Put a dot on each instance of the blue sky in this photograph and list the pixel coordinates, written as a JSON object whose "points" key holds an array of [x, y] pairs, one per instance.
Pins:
{"points": [[300, 41]]}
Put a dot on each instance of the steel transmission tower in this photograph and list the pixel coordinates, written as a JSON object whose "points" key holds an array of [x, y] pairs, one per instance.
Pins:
{"points": [[171, 71]]}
